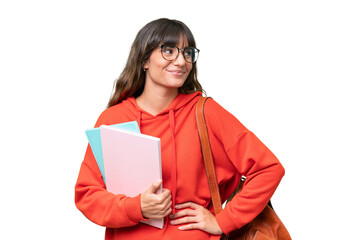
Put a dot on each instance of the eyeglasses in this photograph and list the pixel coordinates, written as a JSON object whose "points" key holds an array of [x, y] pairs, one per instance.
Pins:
{"points": [[171, 52]]}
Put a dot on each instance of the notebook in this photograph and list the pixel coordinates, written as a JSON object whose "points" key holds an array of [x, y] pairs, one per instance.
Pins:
{"points": [[93, 136], [132, 162]]}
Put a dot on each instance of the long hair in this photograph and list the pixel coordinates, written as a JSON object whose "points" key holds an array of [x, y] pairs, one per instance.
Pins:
{"points": [[132, 79]]}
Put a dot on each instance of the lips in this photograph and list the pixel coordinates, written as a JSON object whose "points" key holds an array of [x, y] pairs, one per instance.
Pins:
{"points": [[176, 72]]}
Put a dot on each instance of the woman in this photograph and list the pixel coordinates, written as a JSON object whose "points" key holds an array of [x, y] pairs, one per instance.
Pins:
{"points": [[159, 89]]}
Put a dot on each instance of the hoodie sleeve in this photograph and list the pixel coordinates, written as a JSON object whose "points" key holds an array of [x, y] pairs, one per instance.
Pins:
{"points": [[250, 158], [99, 205]]}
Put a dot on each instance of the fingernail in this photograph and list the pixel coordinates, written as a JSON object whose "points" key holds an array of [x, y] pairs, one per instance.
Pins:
{"points": [[171, 222], [180, 228]]}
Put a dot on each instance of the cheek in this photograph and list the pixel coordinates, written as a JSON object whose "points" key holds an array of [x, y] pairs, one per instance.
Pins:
{"points": [[162, 64], [156, 62]]}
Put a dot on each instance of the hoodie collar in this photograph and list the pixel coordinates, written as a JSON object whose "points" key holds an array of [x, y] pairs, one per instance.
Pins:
{"points": [[180, 101]]}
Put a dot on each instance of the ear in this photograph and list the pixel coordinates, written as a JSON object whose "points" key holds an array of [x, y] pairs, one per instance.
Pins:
{"points": [[146, 65]]}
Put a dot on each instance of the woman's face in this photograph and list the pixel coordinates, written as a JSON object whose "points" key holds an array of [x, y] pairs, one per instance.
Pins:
{"points": [[167, 74]]}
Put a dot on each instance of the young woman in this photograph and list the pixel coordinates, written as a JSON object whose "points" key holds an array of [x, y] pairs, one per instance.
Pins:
{"points": [[159, 89]]}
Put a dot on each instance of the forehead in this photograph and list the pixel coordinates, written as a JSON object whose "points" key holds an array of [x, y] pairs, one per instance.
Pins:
{"points": [[180, 41]]}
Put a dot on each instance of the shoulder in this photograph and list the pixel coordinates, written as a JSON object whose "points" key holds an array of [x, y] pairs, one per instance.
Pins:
{"points": [[222, 124], [211, 105], [216, 114]]}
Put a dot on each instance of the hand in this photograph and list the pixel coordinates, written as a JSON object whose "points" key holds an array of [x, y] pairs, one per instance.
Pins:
{"points": [[155, 205], [197, 217]]}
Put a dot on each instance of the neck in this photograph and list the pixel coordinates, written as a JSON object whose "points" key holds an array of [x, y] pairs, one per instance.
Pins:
{"points": [[156, 101]]}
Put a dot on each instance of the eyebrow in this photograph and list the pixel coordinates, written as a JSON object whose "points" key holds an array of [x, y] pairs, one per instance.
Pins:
{"points": [[174, 44]]}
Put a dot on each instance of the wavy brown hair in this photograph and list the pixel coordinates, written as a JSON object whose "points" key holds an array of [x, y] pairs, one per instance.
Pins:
{"points": [[132, 79]]}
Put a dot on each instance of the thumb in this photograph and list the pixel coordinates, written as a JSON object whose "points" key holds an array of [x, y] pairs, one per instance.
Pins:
{"points": [[155, 186]]}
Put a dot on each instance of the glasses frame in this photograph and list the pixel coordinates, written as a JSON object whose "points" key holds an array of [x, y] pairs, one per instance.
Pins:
{"points": [[177, 55]]}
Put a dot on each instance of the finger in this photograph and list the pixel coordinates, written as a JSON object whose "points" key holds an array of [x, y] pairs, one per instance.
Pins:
{"points": [[166, 193], [168, 205], [190, 226], [155, 186], [165, 190], [187, 205], [183, 213], [167, 212], [160, 199], [163, 209], [183, 220]]}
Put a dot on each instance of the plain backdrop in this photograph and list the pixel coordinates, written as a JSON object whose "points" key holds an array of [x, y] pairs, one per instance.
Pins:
{"points": [[288, 70]]}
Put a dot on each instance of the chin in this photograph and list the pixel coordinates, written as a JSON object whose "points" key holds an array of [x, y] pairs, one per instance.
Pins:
{"points": [[176, 83]]}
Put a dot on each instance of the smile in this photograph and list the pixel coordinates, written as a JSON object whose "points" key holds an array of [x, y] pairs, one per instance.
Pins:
{"points": [[176, 72]]}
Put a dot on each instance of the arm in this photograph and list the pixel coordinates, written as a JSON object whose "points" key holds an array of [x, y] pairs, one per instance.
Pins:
{"points": [[249, 157], [99, 205], [110, 210], [253, 159], [263, 172]]}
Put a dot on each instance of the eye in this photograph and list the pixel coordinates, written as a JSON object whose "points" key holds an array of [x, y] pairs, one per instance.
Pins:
{"points": [[169, 50], [189, 52]]}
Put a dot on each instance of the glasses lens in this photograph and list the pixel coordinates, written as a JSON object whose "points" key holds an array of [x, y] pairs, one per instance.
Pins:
{"points": [[169, 52], [191, 54]]}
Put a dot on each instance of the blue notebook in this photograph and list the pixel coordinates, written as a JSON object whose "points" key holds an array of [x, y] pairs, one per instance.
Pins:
{"points": [[94, 139]]}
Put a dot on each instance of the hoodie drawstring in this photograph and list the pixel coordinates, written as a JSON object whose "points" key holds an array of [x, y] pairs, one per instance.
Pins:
{"points": [[173, 160], [173, 155], [139, 119]]}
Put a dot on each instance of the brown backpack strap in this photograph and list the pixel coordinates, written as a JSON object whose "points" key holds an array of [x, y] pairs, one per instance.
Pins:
{"points": [[208, 160], [207, 155]]}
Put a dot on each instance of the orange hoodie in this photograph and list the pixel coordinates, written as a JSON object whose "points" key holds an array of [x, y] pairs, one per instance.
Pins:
{"points": [[236, 151]]}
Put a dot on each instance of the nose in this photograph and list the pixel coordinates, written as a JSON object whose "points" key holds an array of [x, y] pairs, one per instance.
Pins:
{"points": [[180, 60]]}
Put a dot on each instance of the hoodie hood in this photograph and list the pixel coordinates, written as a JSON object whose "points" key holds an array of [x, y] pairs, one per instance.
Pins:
{"points": [[167, 114]]}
